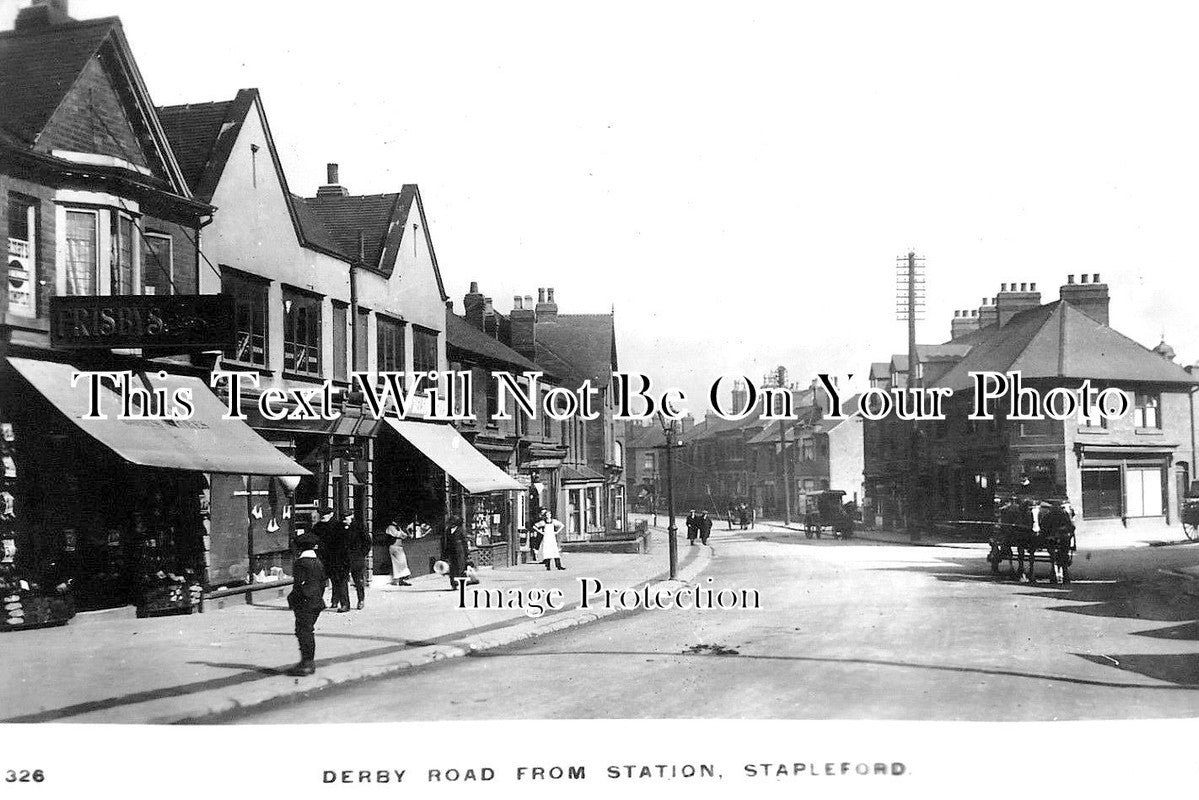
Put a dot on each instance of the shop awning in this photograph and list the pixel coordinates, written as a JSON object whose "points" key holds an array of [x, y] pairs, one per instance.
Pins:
{"points": [[446, 448], [203, 443]]}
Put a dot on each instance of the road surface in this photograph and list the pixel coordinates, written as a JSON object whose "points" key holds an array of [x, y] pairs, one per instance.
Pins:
{"points": [[846, 630]]}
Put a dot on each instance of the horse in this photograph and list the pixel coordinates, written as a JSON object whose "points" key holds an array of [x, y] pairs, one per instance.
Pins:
{"points": [[1016, 530]]}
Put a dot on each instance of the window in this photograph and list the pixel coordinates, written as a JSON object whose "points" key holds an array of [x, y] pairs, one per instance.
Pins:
{"points": [[158, 264], [573, 504], [649, 462], [341, 321], [493, 400], [1145, 411], [361, 338], [1038, 427], [82, 252], [617, 453], [249, 317], [1101, 492], [805, 449], [301, 333], [122, 265], [391, 345], [424, 350], [1095, 421], [592, 508], [22, 257], [1143, 492]]}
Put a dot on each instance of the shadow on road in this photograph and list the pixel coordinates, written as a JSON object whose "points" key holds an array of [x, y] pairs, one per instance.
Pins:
{"points": [[1102, 590]]}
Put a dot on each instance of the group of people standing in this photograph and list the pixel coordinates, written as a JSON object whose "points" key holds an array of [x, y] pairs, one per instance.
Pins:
{"points": [[698, 524]]}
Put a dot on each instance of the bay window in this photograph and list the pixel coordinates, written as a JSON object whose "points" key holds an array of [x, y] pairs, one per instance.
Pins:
{"points": [[82, 251]]}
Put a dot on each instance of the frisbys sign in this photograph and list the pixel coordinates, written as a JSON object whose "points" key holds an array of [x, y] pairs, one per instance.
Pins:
{"points": [[175, 322]]}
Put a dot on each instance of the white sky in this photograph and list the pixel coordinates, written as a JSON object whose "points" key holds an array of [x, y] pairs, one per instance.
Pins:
{"points": [[736, 178]]}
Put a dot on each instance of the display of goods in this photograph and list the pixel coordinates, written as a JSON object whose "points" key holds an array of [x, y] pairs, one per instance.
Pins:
{"points": [[174, 598], [29, 609]]}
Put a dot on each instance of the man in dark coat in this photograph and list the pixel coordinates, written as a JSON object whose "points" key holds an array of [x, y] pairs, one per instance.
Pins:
{"points": [[454, 549], [358, 548], [705, 527], [306, 601], [334, 553], [692, 526]]}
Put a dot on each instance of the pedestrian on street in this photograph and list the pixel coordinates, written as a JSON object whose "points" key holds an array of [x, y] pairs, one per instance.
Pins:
{"points": [[454, 548], [692, 527], [705, 527], [743, 511], [395, 548], [548, 527], [731, 512], [358, 549], [306, 601], [334, 553]]}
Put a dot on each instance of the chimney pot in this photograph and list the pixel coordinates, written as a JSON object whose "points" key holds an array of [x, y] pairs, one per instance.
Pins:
{"points": [[1095, 279], [1083, 278], [549, 292], [541, 295], [331, 174], [1024, 287], [1032, 287], [528, 301], [517, 302], [1069, 279], [474, 287], [1003, 287]]}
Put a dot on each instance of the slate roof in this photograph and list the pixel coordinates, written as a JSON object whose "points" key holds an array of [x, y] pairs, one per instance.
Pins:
{"points": [[372, 214], [1059, 341], [930, 352], [202, 136], [578, 347], [880, 370], [39, 66], [461, 335], [580, 473]]}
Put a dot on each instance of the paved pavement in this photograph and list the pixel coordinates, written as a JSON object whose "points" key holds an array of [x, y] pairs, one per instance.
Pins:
{"points": [[111, 667], [847, 630]]}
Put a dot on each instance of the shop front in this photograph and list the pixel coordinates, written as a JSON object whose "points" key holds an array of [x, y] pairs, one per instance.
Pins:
{"points": [[121, 510], [426, 471]]}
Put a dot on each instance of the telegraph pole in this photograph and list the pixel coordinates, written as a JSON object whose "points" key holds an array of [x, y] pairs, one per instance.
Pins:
{"points": [[909, 307], [671, 530], [786, 473]]}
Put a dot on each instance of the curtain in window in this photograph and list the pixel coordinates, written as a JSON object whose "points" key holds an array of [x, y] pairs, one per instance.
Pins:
{"points": [[81, 253]]}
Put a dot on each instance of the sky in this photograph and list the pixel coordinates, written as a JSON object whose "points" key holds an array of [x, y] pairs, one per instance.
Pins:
{"points": [[736, 180]]}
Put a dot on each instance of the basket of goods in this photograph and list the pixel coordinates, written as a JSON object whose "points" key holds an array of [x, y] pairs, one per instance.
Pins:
{"points": [[26, 605], [166, 593]]}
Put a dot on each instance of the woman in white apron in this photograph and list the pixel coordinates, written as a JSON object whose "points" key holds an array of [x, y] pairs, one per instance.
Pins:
{"points": [[548, 528], [395, 548]]}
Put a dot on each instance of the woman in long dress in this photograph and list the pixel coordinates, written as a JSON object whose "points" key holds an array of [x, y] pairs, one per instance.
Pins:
{"points": [[399, 560], [548, 527]]}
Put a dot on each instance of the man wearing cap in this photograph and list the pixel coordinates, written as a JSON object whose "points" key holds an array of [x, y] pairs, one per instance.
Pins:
{"points": [[454, 549], [306, 601], [334, 552]]}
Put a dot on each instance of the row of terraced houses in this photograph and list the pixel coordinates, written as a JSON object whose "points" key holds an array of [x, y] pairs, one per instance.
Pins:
{"points": [[120, 212]]}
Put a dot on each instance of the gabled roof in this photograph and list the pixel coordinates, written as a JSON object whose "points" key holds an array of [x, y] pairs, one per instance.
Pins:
{"points": [[40, 64], [382, 220], [880, 370], [578, 347], [38, 67], [1059, 341], [460, 335], [928, 353], [203, 136]]}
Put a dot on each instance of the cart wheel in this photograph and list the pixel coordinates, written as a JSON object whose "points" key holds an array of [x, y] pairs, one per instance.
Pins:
{"points": [[1191, 529]]}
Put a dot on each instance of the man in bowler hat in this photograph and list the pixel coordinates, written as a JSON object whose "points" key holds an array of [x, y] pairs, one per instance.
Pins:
{"points": [[306, 601], [358, 548]]}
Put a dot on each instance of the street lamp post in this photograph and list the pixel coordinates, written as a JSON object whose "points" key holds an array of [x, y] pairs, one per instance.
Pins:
{"points": [[668, 429]]}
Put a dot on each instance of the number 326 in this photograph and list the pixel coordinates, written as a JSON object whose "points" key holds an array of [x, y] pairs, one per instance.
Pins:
{"points": [[24, 776]]}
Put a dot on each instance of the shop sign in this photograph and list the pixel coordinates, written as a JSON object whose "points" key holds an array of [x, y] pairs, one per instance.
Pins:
{"points": [[203, 321]]}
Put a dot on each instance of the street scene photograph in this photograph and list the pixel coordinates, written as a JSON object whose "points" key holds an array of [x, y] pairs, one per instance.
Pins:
{"points": [[408, 362]]}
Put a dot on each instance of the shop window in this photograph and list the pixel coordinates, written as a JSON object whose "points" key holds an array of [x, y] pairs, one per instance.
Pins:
{"points": [[158, 264], [1101, 492], [301, 333], [82, 256], [390, 352], [424, 350], [1143, 492], [341, 321], [22, 256], [249, 317], [1146, 411], [592, 508], [573, 511], [123, 250]]}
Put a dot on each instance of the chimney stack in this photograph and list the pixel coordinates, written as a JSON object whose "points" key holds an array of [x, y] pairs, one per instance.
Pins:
{"points": [[523, 327], [332, 188], [491, 325], [988, 314], [1011, 301], [964, 322], [740, 395], [42, 14], [547, 309], [473, 304], [1091, 298]]}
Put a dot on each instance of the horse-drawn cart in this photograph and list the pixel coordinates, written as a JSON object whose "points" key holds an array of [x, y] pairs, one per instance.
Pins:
{"points": [[1190, 517], [1032, 530], [826, 511]]}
